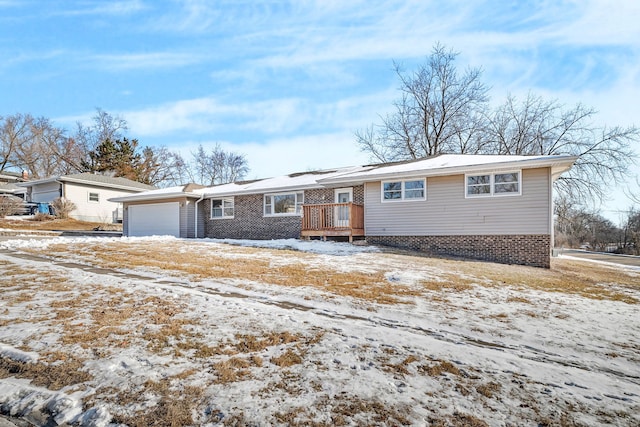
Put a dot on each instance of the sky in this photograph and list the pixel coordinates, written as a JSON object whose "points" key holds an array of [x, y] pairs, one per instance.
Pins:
{"points": [[288, 83]]}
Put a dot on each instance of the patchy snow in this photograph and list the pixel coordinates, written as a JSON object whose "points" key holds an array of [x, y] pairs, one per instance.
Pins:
{"points": [[508, 354], [311, 246], [19, 355]]}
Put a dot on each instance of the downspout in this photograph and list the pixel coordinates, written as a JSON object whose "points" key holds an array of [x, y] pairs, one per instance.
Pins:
{"points": [[196, 224]]}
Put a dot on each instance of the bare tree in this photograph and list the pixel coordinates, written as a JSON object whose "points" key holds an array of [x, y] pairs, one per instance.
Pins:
{"points": [[438, 112], [443, 111], [87, 138], [539, 127], [14, 132], [216, 166]]}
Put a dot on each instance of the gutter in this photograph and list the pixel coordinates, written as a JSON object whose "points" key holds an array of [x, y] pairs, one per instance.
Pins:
{"points": [[196, 216]]}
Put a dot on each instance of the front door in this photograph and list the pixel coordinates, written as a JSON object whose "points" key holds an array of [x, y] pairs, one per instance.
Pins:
{"points": [[341, 214]]}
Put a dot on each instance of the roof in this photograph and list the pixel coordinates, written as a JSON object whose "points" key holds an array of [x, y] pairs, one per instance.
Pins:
{"points": [[162, 194], [292, 182], [10, 176], [11, 188], [94, 179], [449, 164], [446, 164]]}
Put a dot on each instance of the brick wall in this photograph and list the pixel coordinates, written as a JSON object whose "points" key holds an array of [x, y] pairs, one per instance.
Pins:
{"points": [[533, 250], [327, 195], [249, 223]]}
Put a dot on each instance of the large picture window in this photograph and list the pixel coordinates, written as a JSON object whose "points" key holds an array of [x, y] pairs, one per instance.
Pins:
{"points": [[222, 208], [404, 190], [494, 184], [283, 204]]}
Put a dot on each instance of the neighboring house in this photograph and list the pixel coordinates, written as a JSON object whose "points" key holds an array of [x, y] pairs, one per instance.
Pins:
{"points": [[89, 192], [12, 177], [496, 208], [13, 189]]}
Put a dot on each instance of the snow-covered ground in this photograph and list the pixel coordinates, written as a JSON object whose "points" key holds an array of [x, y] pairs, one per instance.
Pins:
{"points": [[102, 331]]}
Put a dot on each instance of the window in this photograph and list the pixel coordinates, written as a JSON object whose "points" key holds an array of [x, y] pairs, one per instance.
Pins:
{"points": [[496, 184], [94, 197], [283, 204], [222, 208], [404, 190]]}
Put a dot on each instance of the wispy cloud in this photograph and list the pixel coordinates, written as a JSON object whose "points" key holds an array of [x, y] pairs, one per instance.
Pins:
{"points": [[278, 116], [152, 60], [123, 7]]}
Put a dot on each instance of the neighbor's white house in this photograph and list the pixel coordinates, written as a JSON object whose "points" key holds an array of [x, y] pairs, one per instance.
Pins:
{"points": [[89, 192]]}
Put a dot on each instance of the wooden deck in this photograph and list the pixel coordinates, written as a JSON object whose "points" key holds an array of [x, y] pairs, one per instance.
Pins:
{"points": [[333, 220]]}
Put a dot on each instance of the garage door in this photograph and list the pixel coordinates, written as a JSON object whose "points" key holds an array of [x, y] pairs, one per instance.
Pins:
{"points": [[154, 219]]}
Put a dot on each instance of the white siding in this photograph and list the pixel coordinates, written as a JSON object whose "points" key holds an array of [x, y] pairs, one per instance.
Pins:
{"points": [[447, 212], [101, 211]]}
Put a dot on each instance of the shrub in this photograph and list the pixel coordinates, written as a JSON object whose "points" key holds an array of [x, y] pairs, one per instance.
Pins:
{"points": [[10, 205], [63, 207], [40, 217]]}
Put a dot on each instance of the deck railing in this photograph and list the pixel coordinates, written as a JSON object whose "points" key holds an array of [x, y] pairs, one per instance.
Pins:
{"points": [[333, 217]]}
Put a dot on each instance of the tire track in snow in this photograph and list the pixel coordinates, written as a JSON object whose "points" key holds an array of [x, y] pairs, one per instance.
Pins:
{"points": [[522, 351]]}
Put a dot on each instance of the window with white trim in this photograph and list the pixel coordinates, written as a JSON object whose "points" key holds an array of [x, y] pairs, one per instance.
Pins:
{"points": [[94, 197], [222, 208], [493, 184], [404, 190], [283, 204]]}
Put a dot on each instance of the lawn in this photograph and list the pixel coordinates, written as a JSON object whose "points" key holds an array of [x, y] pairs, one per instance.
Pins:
{"points": [[163, 331], [47, 223]]}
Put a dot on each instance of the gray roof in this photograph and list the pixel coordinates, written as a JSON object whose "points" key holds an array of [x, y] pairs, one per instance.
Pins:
{"points": [[11, 188], [88, 178], [105, 180]]}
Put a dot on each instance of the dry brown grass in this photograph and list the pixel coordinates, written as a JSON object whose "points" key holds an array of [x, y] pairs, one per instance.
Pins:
{"points": [[589, 280], [439, 368], [54, 373], [248, 265], [292, 269], [175, 404], [489, 389], [458, 420], [287, 359], [49, 224]]}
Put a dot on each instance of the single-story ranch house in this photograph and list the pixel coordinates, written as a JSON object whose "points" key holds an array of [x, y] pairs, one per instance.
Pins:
{"points": [[490, 207], [89, 192]]}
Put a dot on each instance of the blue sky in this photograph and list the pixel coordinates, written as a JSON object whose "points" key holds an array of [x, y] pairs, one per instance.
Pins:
{"points": [[288, 83]]}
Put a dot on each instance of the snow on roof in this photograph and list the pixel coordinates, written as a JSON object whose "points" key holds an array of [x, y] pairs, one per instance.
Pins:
{"points": [[291, 182], [162, 193], [437, 165], [451, 163]]}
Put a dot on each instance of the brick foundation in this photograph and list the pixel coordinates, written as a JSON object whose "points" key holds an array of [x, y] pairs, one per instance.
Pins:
{"points": [[532, 250]]}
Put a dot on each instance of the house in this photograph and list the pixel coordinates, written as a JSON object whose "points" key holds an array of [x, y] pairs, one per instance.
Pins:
{"points": [[167, 211], [89, 192], [7, 177], [490, 207], [9, 183], [13, 189]]}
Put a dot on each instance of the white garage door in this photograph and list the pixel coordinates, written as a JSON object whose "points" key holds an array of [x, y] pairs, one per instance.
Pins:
{"points": [[155, 219]]}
